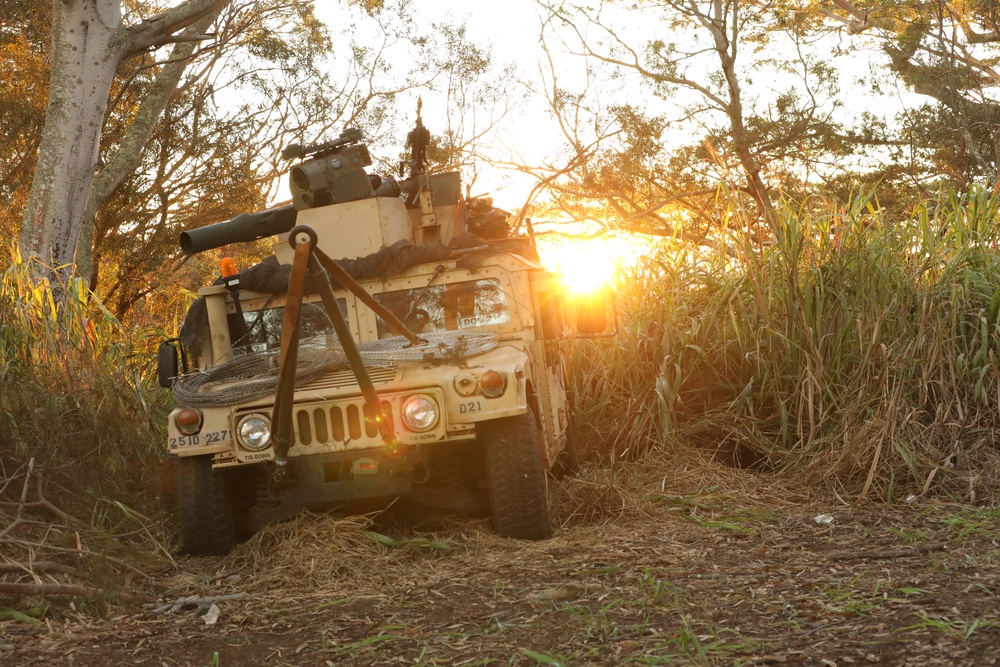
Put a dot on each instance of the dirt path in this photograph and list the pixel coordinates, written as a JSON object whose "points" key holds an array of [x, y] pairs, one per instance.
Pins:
{"points": [[673, 572]]}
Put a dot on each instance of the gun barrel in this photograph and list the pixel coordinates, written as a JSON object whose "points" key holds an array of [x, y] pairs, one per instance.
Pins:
{"points": [[244, 227]]}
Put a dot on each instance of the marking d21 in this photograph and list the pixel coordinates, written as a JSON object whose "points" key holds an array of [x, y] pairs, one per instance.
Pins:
{"points": [[470, 406]]}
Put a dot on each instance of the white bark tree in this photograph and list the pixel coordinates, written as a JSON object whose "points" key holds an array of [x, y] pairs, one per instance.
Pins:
{"points": [[90, 39]]}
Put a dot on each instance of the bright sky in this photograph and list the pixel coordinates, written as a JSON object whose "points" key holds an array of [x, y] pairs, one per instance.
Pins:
{"points": [[510, 25], [512, 28]]}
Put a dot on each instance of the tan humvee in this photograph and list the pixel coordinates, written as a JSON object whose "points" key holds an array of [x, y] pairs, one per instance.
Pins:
{"points": [[480, 409]]}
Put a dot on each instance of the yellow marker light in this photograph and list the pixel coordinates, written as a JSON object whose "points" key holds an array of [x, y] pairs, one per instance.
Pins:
{"points": [[188, 421], [493, 384]]}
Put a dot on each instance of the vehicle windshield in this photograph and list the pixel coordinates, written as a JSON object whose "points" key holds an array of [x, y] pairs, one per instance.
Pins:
{"points": [[263, 327], [448, 307]]}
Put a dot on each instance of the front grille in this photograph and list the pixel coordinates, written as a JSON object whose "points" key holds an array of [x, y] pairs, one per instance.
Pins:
{"points": [[345, 378], [335, 424]]}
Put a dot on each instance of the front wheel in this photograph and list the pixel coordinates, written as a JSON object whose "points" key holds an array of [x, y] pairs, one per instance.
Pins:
{"points": [[205, 507], [516, 477]]}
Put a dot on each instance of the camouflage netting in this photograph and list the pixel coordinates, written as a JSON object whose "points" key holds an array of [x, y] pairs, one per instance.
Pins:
{"points": [[270, 277]]}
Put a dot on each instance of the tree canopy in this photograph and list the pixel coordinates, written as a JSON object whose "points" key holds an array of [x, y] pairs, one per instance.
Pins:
{"points": [[661, 104], [174, 116], [192, 130]]}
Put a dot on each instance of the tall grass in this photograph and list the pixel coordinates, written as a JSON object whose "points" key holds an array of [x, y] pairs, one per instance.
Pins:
{"points": [[857, 350], [76, 392]]}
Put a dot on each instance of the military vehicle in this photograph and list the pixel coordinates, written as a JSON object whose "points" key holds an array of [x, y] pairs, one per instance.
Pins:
{"points": [[430, 362]]}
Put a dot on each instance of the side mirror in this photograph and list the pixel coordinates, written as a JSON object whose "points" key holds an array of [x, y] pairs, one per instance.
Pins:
{"points": [[167, 368], [592, 315]]}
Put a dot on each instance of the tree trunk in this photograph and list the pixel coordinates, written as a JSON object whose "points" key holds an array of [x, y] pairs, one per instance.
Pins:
{"points": [[83, 68], [128, 157], [725, 47], [89, 42]]}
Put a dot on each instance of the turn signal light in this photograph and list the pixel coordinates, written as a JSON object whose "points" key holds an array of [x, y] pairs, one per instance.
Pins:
{"points": [[493, 384], [188, 421]]}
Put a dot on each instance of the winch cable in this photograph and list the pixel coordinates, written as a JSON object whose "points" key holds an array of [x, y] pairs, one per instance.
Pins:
{"points": [[250, 377]]}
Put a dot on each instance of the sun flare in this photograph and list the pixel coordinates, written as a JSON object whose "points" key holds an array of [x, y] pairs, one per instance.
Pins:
{"points": [[587, 265]]}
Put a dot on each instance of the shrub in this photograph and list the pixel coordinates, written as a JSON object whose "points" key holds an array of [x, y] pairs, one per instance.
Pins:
{"points": [[77, 391], [856, 349]]}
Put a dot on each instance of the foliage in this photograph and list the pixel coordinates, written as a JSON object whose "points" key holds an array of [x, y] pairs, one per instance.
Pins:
{"points": [[272, 75], [860, 350], [948, 52], [262, 84], [770, 100], [701, 119], [23, 97], [79, 395]]}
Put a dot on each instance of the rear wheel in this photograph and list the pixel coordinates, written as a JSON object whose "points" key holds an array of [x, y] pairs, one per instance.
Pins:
{"points": [[516, 477], [205, 507]]}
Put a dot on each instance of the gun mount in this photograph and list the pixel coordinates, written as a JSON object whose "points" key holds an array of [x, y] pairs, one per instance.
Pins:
{"points": [[332, 174], [243, 228]]}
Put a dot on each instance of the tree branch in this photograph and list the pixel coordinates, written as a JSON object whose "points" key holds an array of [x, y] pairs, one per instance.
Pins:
{"points": [[7, 588], [981, 37], [156, 31], [127, 158]]}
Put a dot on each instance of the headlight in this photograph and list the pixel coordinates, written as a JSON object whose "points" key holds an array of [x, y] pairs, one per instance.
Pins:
{"points": [[254, 432], [419, 413]]}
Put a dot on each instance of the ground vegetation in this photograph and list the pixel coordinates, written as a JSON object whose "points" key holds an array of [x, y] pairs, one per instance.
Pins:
{"points": [[789, 450], [782, 453]]}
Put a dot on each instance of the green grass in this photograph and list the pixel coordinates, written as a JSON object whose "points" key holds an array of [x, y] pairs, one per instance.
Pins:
{"points": [[79, 397], [859, 351], [961, 629]]}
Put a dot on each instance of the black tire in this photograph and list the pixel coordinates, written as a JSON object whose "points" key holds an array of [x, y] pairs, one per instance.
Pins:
{"points": [[515, 475], [205, 507], [568, 462]]}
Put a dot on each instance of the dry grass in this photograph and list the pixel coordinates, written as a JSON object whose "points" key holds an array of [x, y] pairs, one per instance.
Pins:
{"points": [[693, 563], [79, 393], [322, 551], [858, 352]]}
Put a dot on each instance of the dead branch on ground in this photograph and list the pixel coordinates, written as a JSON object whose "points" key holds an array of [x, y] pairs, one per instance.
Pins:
{"points": [[44, 545], [886, 554]]}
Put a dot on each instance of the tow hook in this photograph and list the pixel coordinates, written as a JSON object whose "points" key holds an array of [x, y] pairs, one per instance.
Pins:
{"points": [[280, 478]]}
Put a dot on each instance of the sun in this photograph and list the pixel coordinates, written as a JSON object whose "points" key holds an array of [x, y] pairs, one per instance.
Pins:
{"points": [[583, 267], [586, 265]]}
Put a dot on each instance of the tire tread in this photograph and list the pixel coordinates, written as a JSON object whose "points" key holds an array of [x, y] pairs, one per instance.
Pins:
{"points": [[516, 475], [205, 507]]}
